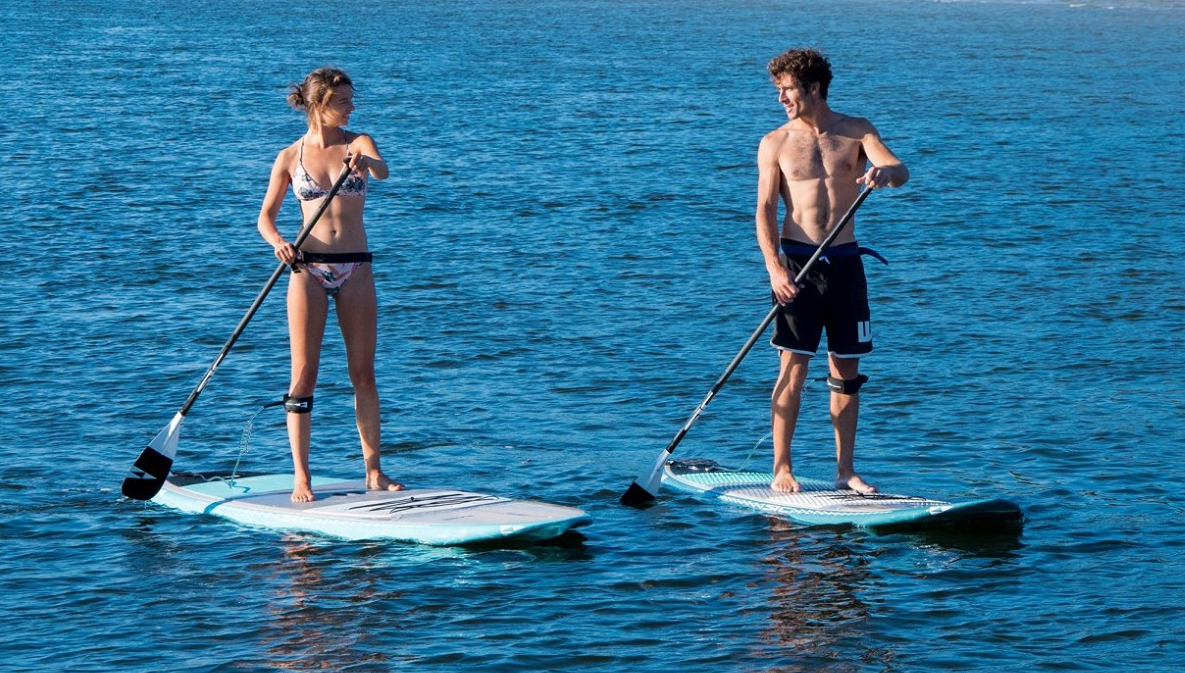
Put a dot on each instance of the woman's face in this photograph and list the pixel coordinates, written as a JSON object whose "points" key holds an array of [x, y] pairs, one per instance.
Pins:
{"points": [[337, 111]]}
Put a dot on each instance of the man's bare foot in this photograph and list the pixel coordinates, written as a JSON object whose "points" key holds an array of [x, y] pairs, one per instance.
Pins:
{"points": [[785, 482], [855, 483], [381, 482], [303, 492]]}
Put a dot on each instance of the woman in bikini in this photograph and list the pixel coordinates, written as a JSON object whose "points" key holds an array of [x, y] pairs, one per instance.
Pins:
{"points": [[333, 263]]}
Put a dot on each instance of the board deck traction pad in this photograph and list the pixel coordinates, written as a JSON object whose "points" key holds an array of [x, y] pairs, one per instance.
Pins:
{"points": [[820, 502], [347, 509]]}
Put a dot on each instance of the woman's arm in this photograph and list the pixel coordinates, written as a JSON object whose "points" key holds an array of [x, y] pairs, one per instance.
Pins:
{"points": [[277, 186], [368, 158]]}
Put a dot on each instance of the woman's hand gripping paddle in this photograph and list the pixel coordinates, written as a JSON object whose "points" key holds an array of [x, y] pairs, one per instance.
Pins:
{"points": [[645, 491], [150, 470]]}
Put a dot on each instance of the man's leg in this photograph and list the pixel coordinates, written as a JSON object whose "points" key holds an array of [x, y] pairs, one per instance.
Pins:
{"points": [[845, 412], [787, 398]]}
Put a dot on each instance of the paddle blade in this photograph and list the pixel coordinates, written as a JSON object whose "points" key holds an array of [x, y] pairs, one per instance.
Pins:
{"points": [[150, 470], [636, 496], [643, 492]]}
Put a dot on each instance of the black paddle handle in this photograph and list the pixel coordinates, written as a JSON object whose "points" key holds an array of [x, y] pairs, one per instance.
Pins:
{"points": [[769, 317], [271, 282]]}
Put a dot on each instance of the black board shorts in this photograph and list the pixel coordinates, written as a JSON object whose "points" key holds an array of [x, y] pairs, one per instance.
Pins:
{"points": [[833, 298]]}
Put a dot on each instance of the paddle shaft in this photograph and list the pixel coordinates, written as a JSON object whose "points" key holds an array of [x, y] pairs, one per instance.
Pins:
{"points": [[769, 317], [271, 282]]}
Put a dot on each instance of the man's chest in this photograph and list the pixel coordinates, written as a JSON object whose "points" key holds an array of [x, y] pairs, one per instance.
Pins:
{"points": [[810, 157]]}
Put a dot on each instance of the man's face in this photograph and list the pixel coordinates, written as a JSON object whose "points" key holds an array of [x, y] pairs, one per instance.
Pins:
{"points": [[793, 96]]}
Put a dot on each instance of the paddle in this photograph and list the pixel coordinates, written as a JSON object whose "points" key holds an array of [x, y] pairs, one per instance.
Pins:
{"points": [[150, 470], [640, 493]]}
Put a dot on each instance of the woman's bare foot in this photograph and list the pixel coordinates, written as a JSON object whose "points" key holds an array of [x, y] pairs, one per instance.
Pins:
{"points": [[381, 482], [785, 482], [303, 492], [855, 483]]}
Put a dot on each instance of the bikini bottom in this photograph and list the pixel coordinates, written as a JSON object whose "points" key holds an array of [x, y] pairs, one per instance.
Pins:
{"points": [[333, 269]]}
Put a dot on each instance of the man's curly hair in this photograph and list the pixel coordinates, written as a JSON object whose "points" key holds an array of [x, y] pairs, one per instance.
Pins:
{"points": [[806, 66]]}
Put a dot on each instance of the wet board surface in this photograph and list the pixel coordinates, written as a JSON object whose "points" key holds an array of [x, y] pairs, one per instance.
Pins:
{"points": [[345, 509], [820, 503]]}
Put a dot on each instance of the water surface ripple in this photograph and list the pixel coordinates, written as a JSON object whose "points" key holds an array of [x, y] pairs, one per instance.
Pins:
{"points": [[566, 262]]}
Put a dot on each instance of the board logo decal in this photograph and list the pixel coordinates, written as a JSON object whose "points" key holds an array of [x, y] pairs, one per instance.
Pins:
{"points": [[424, 502], [846, 496]]}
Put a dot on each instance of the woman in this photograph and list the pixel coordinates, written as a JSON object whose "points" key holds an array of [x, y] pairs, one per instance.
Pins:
{"points": [[333, 262]]}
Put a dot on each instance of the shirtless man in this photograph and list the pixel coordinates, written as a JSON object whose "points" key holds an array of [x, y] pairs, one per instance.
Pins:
{"points": [[816, 164]]}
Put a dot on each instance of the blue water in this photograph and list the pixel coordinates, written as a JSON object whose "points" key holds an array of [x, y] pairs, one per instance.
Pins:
{"points": [[566, 261]]}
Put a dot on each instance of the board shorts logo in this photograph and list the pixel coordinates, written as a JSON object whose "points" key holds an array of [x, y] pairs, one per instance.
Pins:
{"points": [[864, 331]]}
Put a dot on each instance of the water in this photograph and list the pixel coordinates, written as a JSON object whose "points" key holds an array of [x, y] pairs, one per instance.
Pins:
{"points": [[566, 262]]}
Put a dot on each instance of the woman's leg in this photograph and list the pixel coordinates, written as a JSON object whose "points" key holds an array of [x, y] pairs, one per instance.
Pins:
{"points": [[357, 315], [308, 306]]}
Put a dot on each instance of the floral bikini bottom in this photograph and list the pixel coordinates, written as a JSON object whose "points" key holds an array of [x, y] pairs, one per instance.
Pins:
{"points": [[333, 269]]}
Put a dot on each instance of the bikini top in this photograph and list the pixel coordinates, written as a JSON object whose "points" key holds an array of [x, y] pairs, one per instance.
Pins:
{"points": [[307, 189]]}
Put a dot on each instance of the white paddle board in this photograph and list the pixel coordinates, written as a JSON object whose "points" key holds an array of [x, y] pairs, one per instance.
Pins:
{"points": [[345, 509], [820, 503]]}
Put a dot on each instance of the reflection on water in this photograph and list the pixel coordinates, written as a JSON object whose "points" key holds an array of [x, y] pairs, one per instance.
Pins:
{"points": [[828, 588], [331, 609], [567, 547], [817, 611], [1001, 543], [319, 610]]}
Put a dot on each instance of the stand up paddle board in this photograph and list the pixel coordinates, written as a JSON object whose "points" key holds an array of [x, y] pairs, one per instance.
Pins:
{"points": [[820, 503], [347, 510]]}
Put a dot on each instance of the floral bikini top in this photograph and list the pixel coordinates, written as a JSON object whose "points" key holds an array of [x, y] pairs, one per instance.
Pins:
{"points": [[307, 189]]}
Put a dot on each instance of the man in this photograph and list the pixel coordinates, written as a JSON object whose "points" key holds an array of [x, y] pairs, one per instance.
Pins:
{"points": [[816, 164]]}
